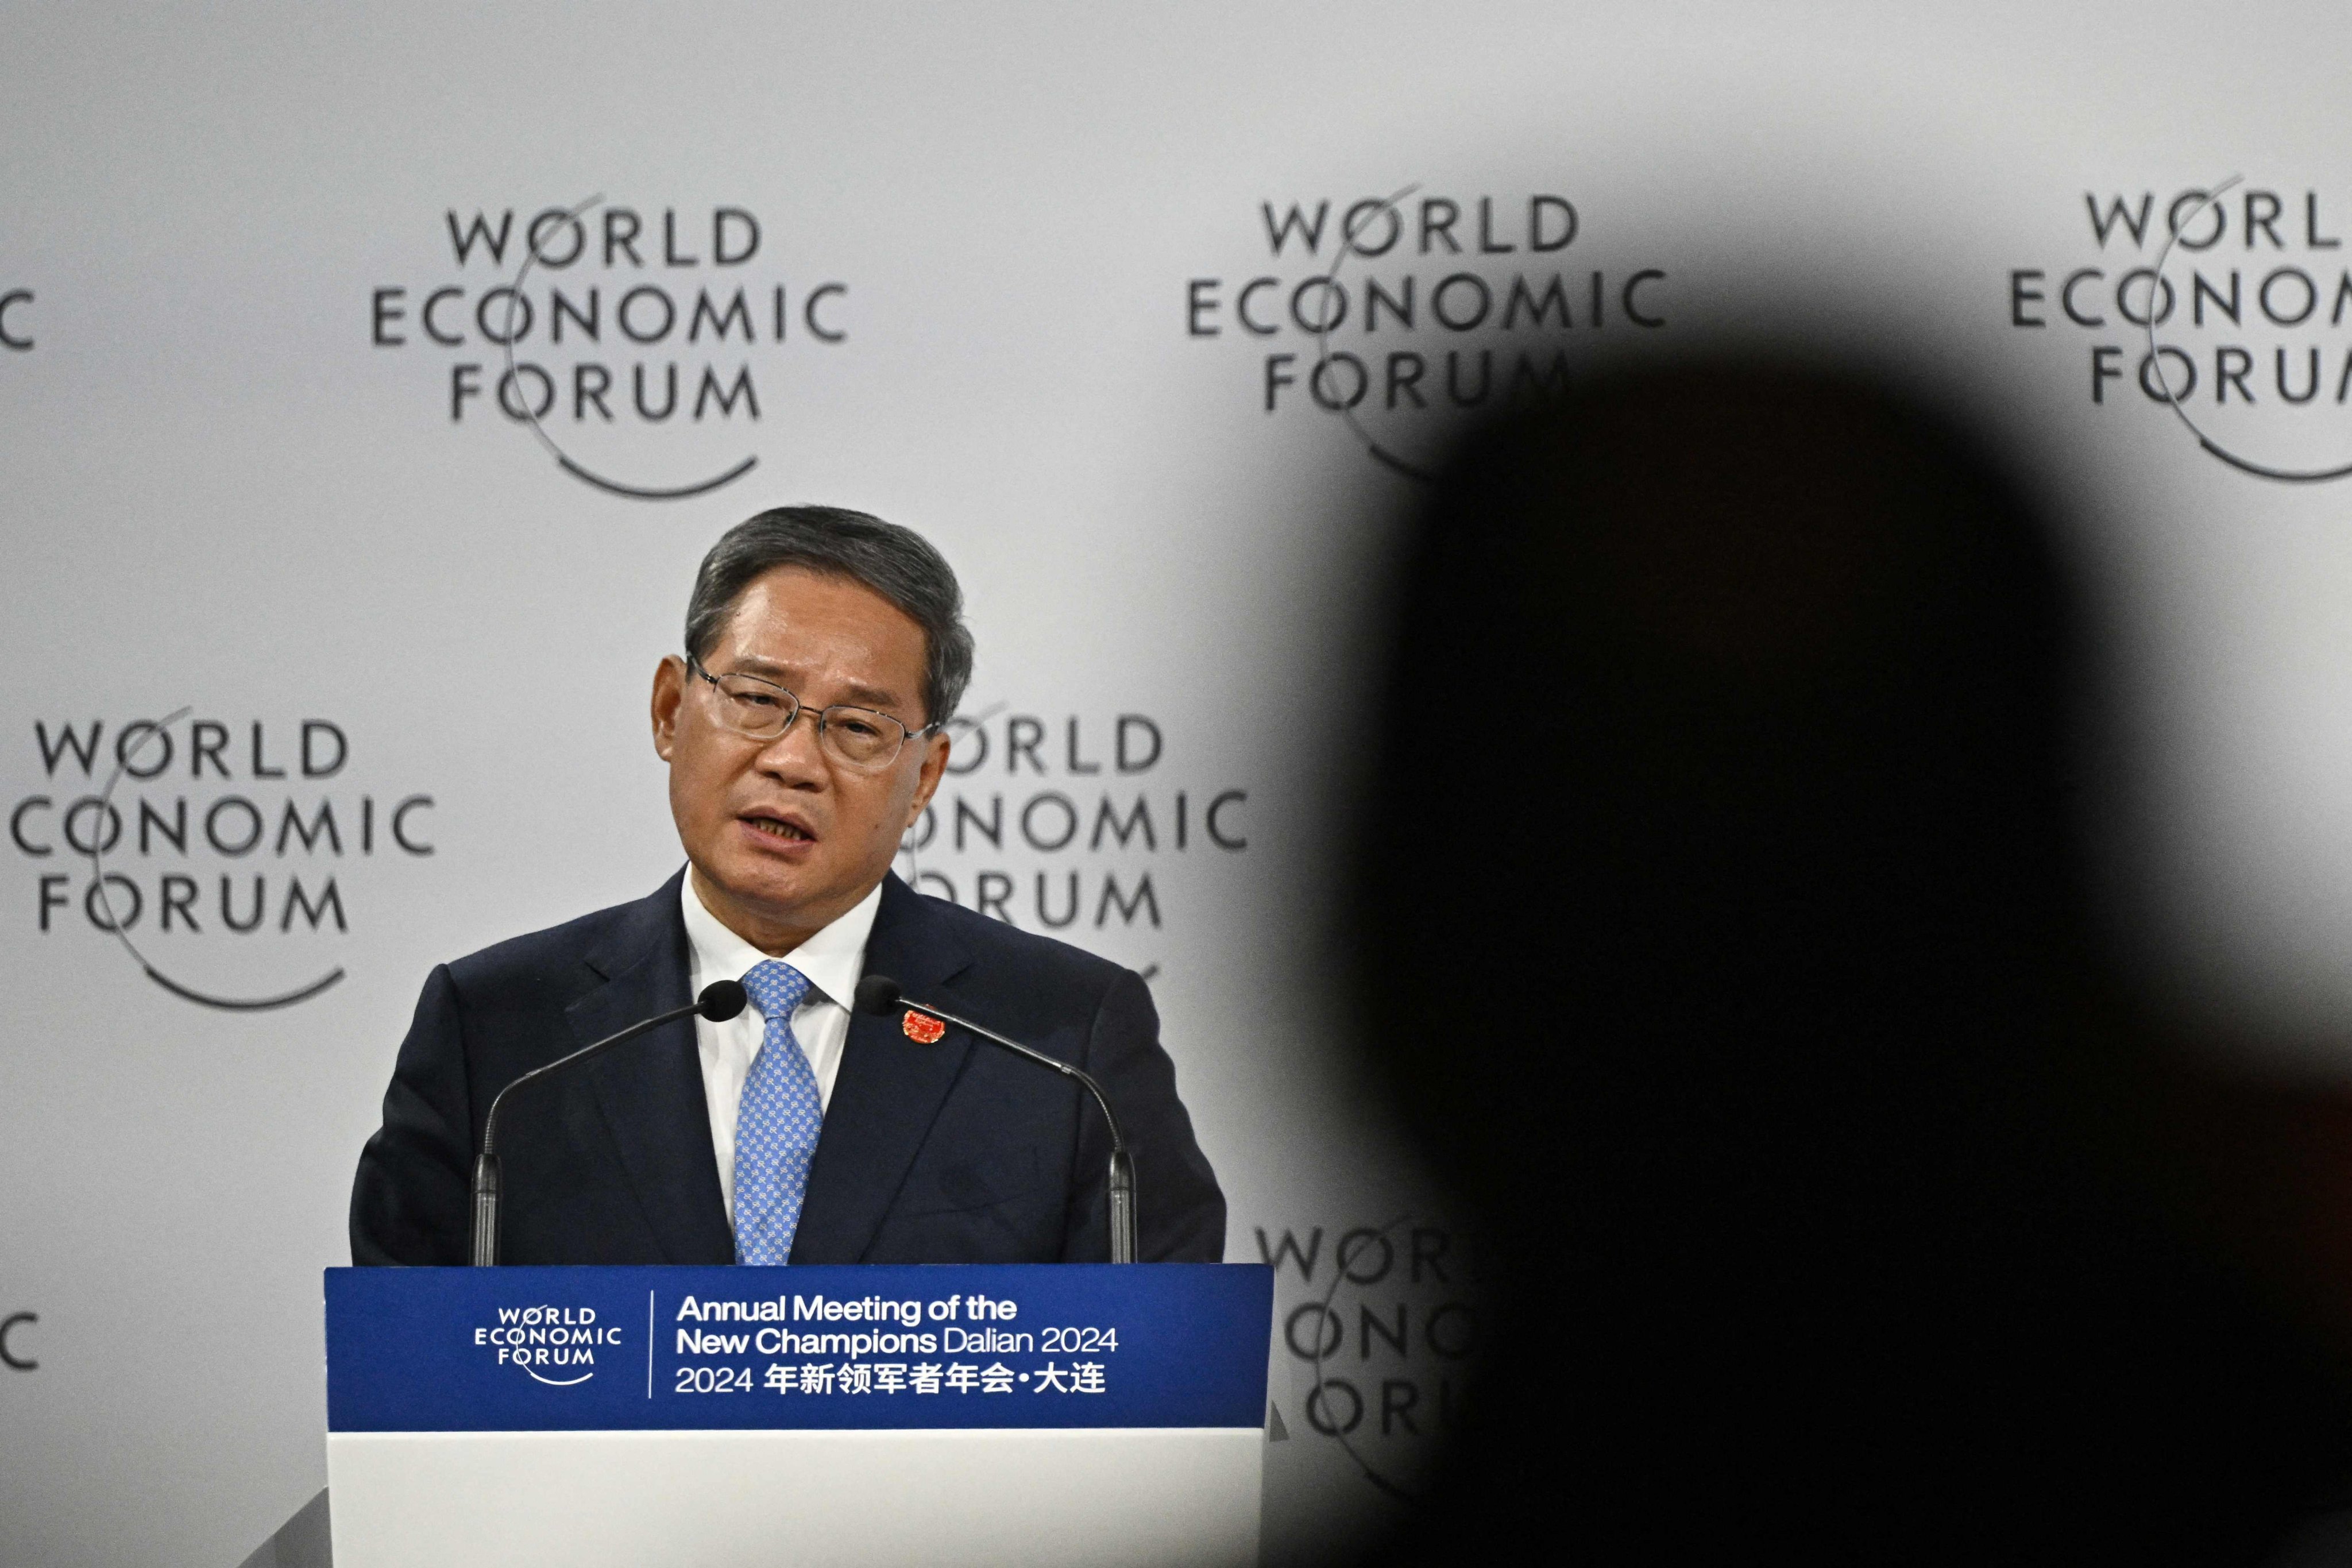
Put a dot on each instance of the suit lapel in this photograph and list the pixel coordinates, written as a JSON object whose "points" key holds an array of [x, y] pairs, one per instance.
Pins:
{"points": [[889, 1091], [650, 1090]]}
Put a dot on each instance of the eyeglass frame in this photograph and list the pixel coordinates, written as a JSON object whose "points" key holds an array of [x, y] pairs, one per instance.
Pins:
{"points": [[906, 733]]}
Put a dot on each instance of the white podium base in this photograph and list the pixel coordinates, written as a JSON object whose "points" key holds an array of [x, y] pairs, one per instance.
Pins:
{"points": [[587, 1500]]}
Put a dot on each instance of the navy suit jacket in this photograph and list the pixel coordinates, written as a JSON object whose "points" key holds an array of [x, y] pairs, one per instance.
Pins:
{"points": [[951, 1153]]}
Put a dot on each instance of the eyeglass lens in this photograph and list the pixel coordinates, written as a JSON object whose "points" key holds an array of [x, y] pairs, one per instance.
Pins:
{"points": [[858, 736]]}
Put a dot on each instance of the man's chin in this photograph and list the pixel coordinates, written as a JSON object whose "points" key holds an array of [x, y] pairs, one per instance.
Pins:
{"points": [[749, 888]]}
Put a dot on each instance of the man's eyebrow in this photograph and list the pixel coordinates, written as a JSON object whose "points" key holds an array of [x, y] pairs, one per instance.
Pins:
{"points": [[873, 697], [766, 669]]}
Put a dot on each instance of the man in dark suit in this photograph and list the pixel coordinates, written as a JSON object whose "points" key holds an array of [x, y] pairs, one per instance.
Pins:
{"points": [[804, 731]]}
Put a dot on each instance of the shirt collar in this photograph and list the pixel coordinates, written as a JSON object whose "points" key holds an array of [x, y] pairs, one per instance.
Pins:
{"points": [[833, 959]]}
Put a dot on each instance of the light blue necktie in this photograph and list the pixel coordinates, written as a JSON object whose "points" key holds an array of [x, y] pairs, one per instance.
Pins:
{"points": [[776, 1122]]}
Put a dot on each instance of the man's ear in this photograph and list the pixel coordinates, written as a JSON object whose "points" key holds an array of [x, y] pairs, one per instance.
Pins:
{"points": [[669, 690], [936, 747]]}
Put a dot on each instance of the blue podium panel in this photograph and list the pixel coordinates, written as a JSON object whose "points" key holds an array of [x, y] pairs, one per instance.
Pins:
{"points": [[1077, 1413], [548, 1350]]}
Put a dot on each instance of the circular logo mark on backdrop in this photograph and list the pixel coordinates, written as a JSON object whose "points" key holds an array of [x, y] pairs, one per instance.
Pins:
{"points": [[2258, 371], [1096, 828], [227, 860], [640, 349], [537, 406], [1381, 1350], [1396, 315]]}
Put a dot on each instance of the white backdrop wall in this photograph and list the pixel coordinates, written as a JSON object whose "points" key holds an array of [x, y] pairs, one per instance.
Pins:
{"points": [[996, 270]]}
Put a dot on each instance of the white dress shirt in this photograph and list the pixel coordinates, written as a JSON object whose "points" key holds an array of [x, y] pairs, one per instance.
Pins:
{"points": [[833, 960]]}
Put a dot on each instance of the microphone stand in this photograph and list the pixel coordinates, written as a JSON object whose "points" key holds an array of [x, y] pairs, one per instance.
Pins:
{"points": [[720, 1001]]}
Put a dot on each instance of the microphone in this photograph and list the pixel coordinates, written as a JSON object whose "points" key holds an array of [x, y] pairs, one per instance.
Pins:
{"points": [[720, 1000], [880, 993]]}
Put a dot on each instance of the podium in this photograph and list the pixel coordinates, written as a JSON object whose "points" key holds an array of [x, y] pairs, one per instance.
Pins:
{"points": [[1031, 1413]]}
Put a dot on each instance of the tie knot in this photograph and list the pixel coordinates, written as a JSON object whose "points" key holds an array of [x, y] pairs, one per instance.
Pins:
{"points": [[776, 989]]}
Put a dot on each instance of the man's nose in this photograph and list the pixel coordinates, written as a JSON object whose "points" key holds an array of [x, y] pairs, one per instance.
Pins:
{"points": [[795, 755]]}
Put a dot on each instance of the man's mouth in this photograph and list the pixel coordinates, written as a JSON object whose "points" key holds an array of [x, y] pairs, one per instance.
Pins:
{"points": [[790, 833]]}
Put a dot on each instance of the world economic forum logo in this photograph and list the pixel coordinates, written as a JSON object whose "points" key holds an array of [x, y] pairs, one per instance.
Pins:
{"points": [[1395, 315], [226, 857], [2221, 305], [640, 349], [1380, 1323], [1095, 826], [552, 1344]]}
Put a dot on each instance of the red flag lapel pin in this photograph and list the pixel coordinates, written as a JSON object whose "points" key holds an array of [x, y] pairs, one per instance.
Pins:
{"points": [[922, 1030]]}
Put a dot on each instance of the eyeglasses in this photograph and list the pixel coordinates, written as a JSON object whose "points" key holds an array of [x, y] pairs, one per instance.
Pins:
{"points": [[860, 738]]}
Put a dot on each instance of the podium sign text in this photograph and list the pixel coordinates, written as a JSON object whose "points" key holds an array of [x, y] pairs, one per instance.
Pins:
{"points": [[576, 1350], [819, 1414]]}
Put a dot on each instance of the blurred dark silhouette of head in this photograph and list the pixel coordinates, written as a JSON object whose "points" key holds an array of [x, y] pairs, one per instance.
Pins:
{"points": [[1724, 778]]}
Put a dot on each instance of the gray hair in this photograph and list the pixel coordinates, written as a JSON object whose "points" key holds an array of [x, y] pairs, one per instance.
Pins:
{"points": [[895, 563]]}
